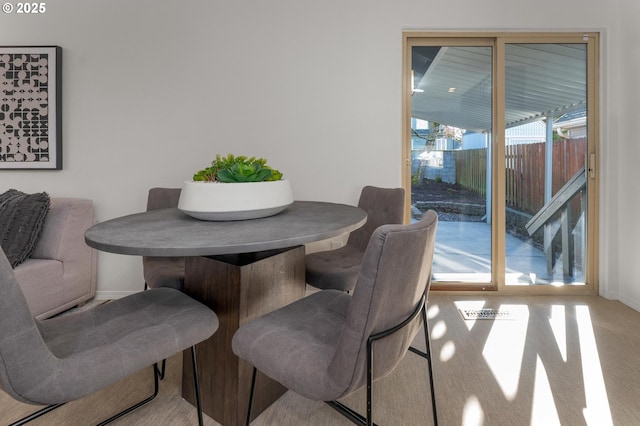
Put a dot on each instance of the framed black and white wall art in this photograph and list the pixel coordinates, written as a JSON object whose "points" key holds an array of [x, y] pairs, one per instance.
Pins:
{"points": [[30, 107]]}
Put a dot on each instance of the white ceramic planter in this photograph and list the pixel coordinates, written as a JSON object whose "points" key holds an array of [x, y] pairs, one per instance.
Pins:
{"points": [[234, 201]]}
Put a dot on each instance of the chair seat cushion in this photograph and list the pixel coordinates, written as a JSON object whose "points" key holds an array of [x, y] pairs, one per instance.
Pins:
{"points": [[104, 344], [334, 269], [297, 357]]}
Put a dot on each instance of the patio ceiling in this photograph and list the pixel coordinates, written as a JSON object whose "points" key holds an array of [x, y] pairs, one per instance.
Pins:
{"points": [[541, 80]]}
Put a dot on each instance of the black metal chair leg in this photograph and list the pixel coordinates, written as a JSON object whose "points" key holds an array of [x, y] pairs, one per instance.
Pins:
{"points": [[164, 361], [428, 347], [162, 369], [349, 413], [156, 375], [37, 414], [369, 381], [427, 356], [196, 384], [359, 419], [251, 392]]}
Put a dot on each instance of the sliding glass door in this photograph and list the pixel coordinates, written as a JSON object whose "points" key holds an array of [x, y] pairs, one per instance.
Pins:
{"points": [[545, 148], [451, 102], [499, 141]]}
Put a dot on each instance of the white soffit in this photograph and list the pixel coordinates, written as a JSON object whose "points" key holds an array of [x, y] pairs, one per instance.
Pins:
{"points": [[541, 80]]}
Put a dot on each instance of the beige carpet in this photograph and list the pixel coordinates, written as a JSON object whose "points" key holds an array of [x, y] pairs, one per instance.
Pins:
{"points": [[562, 361]]}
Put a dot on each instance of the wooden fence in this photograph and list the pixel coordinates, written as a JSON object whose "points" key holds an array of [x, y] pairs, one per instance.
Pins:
{"points": [[525, 166], [471, 169]]}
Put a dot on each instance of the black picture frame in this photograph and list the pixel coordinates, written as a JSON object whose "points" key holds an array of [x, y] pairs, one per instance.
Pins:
{"points": [[30, 107]]}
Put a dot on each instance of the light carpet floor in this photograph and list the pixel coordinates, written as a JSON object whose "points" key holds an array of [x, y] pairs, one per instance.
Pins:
{"points": [[559, 361]]}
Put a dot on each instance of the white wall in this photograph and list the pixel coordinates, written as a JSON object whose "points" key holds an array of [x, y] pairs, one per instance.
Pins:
{"points": [[623, 196], [152, 90]]}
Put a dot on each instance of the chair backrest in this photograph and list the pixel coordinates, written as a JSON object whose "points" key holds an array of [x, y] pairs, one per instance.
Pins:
{"points": [[395, 274], [383, 206], [163, 271], [25, 360], [163, 198]]}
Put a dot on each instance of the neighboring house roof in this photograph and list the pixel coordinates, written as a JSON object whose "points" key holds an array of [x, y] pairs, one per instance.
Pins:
{"points": [[573, 118], [572, 125]]}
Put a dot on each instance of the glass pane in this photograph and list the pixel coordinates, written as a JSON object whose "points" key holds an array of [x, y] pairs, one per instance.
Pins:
{"points": [[545, 153], [451, 132]]}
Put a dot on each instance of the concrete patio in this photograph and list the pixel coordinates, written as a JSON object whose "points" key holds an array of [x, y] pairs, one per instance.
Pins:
{"points": [[463, 254]]}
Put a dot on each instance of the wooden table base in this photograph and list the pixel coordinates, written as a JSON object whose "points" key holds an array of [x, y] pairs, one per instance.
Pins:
{"points": [[238, 288]]}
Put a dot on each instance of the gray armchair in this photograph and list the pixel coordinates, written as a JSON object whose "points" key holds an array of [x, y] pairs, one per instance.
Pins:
{"points": [[322, 346], [54, 361], [338, 269], [163, 271]]}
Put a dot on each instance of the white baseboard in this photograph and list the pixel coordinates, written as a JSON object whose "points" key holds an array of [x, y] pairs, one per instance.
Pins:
{"points": [[632, 303]]}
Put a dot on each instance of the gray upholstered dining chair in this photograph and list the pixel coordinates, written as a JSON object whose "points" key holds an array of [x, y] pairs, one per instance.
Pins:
{"points": [[163, 271], [338, 269], [54, 361], [322, 346]]}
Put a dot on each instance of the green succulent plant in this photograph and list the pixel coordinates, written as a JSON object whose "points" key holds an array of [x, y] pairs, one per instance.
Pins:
{"points": [[232, 169]]}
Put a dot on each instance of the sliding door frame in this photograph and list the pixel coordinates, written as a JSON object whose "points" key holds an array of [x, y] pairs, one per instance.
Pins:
{"points": [[499, 40]]}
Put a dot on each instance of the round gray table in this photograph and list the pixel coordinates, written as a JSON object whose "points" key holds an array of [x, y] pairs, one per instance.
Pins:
{"points": [[241, 270], [169, 232]]}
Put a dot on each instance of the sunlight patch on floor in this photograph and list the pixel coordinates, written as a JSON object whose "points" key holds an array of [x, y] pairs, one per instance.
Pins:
{"points": [[506, 363], [565, 340], [439, 330], [432, 311], [448, 351], [597, 411], [543, 410], [558, 324], [472, 414]]}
